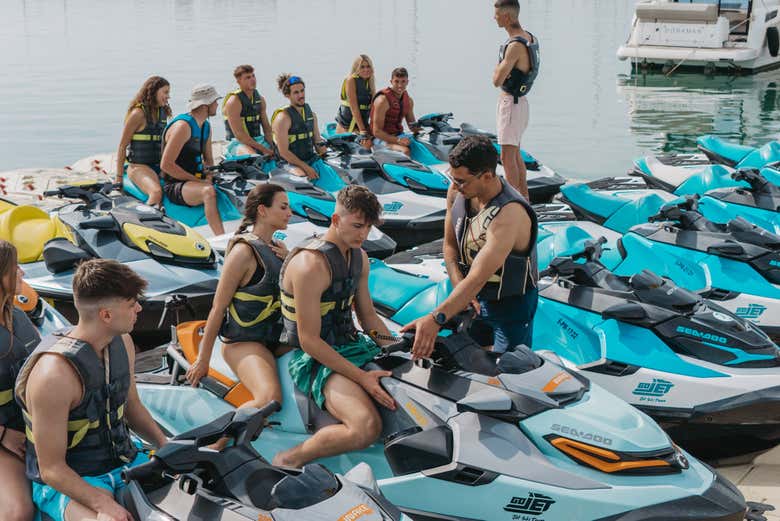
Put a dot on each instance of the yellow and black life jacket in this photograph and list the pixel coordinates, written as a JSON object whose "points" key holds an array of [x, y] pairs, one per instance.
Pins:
{"points": [[98, 437], [251, 109], [337, 326], [364, 96], [254, 314], [146, 146], [301, 133], [14, 350]]}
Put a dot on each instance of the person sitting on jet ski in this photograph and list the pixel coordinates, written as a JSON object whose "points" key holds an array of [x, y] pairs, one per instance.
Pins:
{"points": [[141, 141], [357, 91], [246, 311], [320, 282], [246, 117], [296, 132], [78, 395], [18, 338], [489, 251], [186, 151], [391, 106]]}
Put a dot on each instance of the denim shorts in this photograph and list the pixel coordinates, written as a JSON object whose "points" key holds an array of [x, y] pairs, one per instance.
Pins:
{"points": [[509, 320]]}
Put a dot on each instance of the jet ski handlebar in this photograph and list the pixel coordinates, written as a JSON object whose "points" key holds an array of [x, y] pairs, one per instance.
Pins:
{"points": [[457, 324], [565, 265], [87, 192], [247, 167], [751, 176], [676, 211]]}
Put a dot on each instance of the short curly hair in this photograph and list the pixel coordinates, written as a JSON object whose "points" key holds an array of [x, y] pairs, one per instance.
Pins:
{"points": [[477, 153], [358, 198]]}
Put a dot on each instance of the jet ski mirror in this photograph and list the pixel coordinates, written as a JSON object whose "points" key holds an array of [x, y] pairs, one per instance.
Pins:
{"points": [[628, 311], [104, 222], [592, 250], [62, 255], [751, 176], [247, 167]]}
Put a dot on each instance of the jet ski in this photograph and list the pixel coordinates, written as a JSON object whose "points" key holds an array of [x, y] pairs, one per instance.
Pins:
{"points": [[721, 393], [736, 264], [234, 178], [433, 145], [186, 480], [721, 196], [481, 438], [173, 258]]}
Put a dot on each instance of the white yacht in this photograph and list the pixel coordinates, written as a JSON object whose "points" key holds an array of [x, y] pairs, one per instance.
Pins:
{"points": [[710, 35]]}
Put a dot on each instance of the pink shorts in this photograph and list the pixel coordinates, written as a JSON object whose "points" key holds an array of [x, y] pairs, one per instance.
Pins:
{"points": [[511, 119]]}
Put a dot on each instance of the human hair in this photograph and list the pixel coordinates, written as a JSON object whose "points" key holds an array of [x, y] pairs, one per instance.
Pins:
{"points": [[510, 6], [147, 96], [96, 280], [283, 82], [399, 72], [242, 69], [358, 198], [357, 63], [8, 263], [476, 153], [262, 194]]}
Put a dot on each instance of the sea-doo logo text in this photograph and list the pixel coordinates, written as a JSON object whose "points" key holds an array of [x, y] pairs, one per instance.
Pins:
{"points": [[575, 433], [393, 207], [701, 336], [657, 387], [357, 512], [684, 268], [567, 328], [751, 311], [534, 504]]}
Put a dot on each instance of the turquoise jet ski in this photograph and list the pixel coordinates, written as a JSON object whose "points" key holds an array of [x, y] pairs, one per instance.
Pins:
{"points": [[480, 438]]}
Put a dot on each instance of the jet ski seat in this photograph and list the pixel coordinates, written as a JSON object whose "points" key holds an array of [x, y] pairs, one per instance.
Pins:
{"points": [[597, 276], [28, 228], [652, 289]]}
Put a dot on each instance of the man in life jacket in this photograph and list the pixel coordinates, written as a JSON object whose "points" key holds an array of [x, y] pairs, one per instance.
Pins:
{"points": [[518, 66], [391, 106], [246, 117], [321, 283], [489, 251], [187, 153], [79, 400]]}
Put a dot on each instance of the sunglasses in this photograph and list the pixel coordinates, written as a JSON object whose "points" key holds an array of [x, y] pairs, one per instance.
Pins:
{"points": [[460, 183], [292, 80]]}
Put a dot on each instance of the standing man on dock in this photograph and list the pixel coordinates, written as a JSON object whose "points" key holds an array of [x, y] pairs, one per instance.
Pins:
{"points": [[518, 66]]}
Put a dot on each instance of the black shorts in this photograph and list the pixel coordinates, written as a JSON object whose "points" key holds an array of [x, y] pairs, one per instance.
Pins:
{"points": [[172, 190]]}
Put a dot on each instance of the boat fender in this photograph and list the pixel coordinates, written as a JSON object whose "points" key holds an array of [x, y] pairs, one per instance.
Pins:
{"points": [[773, 40]]}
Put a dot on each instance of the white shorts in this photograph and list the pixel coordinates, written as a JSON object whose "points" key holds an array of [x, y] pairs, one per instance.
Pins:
{"points": [[511, 119]]}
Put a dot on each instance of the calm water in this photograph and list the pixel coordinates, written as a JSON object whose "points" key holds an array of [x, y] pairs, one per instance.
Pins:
{"points": [[69, 68]]}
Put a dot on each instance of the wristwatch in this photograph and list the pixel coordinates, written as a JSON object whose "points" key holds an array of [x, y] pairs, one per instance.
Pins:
{"points": [[439, 318]]}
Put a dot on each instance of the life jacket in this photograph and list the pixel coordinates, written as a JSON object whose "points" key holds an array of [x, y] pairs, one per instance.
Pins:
{"points": [[519, 83], [519, 269], [301, 134], [191, 154], [337, 326], [250, 113], [254, 313], [364, 96], [98, 437], [146, 146], [394, 117], [14, 349]]}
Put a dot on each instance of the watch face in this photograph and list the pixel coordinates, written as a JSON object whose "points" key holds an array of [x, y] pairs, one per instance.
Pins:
{"points": [[440, 318]]}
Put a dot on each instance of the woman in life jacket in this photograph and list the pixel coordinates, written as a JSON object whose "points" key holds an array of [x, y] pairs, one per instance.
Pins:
{"points": [[357, 92], [18, 338], [140, 144], [246, 312]]}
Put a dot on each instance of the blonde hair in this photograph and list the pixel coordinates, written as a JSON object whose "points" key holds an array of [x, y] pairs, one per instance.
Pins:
{"points": [[356, 70]]}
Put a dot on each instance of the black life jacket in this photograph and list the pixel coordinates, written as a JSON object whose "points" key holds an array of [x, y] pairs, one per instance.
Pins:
{"points": [[394, 117], [254, 314], [301, 134], [336, 302], [364, 96], [146, 146], [14, 350], [250, 113], [519, 83], [191, 154], [519, 269], [98, 437]]}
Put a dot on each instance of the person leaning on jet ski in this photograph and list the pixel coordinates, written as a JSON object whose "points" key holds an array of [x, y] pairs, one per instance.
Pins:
{"points": [[246, 117], [357, 92], [141, 141], [489, 251], [79, 399], [186, 151], [18, 338], [246, 312], [391, 106], [320, 282]]}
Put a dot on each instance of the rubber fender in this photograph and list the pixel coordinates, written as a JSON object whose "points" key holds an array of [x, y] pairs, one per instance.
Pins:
{"points": [[773, 40]]}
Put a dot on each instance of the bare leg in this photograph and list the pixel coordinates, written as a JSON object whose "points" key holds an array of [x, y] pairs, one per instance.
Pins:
{"points": [[195, 193], [360, 427], [294, 170], [77, 512], [15, 501], [514, 168], [148, 181]]}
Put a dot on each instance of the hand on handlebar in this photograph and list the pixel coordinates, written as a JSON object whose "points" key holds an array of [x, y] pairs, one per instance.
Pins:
{"points": [[370, 382], [426, 330]]}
